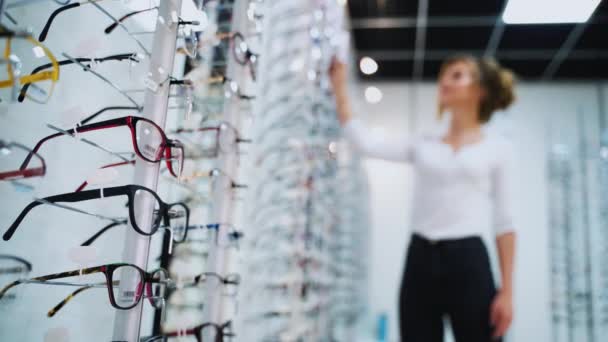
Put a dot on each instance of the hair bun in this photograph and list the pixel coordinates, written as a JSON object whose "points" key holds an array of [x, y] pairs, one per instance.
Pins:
{"points": [[506, 94], [499, 83]]}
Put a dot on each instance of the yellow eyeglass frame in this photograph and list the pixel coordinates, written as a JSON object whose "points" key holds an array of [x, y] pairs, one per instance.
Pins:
{"points": [[52, 75]]}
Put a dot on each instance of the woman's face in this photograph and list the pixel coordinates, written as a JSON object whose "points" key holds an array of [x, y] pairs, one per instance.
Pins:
{"points": [[458, 85]]}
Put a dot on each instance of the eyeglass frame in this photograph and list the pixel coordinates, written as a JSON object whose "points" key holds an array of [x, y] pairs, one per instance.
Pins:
{"points": [[22, 172], [218, 128], [128, 190], [108, 270], [130, 121], [117, 57], [42, 76], [197, 331], [27, 264]]}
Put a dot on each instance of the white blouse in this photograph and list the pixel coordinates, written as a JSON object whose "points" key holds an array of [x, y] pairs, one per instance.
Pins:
{"points": [[453, 190]]}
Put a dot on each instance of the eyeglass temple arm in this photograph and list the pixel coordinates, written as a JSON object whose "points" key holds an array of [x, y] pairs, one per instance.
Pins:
{"points": [[99, 112], [37, 171], [101, 77], [9, 286], [30, 155], [111, 28], [36, 70], [92, 239], [43, 279], [85, 183], [47, 26], [192, 130], [26, 263], [91, 127], [118, 57], [68, 197], [109, 15], [239, 185], [61, 304], [197, 278]]}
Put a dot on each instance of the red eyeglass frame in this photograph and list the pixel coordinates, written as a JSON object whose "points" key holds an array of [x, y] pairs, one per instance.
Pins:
{"points": [[23, 172], [131, 122]]}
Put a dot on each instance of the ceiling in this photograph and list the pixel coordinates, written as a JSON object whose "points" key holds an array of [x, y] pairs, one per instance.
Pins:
{"points": [[393, 32]]}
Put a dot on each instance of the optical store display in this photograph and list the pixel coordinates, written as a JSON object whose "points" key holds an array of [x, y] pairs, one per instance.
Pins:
{"points": [[169, 152], [304, 278], [577, 174]]}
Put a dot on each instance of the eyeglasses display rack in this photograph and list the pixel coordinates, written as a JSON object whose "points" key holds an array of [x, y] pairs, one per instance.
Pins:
{"points": [[174, 170], [576, 192], [127, 323], [178, 70], [303, 265]]}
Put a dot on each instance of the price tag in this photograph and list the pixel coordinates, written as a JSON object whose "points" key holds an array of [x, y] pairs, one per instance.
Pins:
{"points": [[59, 334], [38, 52], [83, 256], [151, 84], [103, 176]]}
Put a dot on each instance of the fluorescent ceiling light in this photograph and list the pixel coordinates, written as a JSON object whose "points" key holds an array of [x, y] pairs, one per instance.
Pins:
{"points": [[548, 11]]}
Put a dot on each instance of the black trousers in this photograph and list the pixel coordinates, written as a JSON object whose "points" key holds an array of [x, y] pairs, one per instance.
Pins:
{"points": [[449, 278]]}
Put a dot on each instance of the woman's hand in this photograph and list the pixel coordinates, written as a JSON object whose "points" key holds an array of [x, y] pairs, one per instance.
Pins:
{"points": [[501, 313]]}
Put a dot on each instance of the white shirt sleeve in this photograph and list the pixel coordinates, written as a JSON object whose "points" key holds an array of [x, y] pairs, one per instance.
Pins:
{"points": [[377, 146], [502, 190]]}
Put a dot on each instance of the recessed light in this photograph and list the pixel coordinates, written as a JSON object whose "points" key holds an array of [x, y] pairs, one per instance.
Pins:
{"points": [[373, 95], [368, 65], [548, 11]]}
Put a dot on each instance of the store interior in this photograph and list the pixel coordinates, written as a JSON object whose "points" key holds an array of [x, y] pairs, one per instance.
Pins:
{"points": [[175, 170]]}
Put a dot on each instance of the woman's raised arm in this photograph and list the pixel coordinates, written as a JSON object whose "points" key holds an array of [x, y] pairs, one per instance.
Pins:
{"points": [[362, 138]]}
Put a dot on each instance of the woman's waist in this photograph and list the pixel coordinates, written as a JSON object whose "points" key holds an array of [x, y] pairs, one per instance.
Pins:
{"points": [[451, 230]]}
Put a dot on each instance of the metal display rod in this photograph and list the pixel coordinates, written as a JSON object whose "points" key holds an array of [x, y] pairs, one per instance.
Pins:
{"points": [[127, 323]]}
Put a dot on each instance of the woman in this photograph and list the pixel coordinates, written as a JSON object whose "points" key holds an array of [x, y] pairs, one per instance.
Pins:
{"points": [[459, 176]]}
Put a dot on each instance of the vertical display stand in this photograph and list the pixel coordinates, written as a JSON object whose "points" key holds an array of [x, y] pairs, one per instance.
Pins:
{"points": [[222, 199], [127, 322]]}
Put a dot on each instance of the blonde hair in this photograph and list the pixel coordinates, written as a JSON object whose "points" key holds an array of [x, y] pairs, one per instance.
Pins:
{"points": [[497, 82]]}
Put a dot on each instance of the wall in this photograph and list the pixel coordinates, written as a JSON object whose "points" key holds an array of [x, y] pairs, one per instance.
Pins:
{"points": [[540, 110]]}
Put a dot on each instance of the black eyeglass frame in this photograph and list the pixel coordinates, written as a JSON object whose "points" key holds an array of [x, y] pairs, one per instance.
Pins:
{"points": [[27, 266], [125, 190]]}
